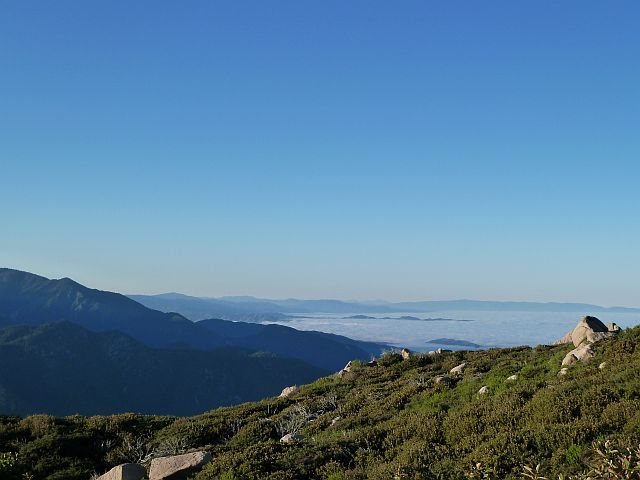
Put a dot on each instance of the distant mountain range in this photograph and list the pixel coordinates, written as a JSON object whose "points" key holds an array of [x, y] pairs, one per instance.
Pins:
{"points": [[214, 356], [66, 348], [258, 309]]}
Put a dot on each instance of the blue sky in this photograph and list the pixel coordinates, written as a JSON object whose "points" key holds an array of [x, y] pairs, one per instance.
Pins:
{"points": [[346, 149]]}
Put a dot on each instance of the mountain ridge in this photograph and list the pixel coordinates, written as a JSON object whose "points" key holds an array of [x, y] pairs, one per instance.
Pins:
{"points": [[230, 308], [31, 299]]}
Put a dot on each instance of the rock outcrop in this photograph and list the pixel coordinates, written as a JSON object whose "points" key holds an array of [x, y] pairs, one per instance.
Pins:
{"points": [[290, 438], [287, 391], [178, 467], [612, 327], [590, 330], [580, 354], [459, 370], [126, 471]]}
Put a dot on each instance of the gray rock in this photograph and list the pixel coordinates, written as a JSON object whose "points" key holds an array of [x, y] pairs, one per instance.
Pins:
{"points": [[594, 337], [178, 467], [569, 359], [612, 327], [586, 328], [602, 366], [438, 351], [580, 354], [459, 370], [512, 378], [406, 353], [287, 391], [291, 438], [563, 372], [335, 420], [483, 391], [126, 471]]}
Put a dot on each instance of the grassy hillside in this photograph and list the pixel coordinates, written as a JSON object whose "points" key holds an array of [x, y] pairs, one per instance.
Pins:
{"points": [[391, 421]]}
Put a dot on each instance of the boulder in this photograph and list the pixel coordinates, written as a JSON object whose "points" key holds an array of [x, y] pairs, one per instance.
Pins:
{"points": [[587, 329], [593, 337], [459, 370], [438, 351], [580, 354], [441, 379], [512, 378], [178, 467], [406, 353], [126, 471], [291, 438], [563, 371], [569, 359], [612, 327], [484, 390], [287, 391]]}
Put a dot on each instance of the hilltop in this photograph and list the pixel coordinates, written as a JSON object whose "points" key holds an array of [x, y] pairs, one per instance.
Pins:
{"points": [[393, 419]]}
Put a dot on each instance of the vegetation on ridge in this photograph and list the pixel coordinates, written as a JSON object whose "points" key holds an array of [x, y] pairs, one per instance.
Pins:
{"points": [[390, 421]]}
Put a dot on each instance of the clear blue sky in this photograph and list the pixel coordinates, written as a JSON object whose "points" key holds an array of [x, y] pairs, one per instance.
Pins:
{"points": [[347, 149]]}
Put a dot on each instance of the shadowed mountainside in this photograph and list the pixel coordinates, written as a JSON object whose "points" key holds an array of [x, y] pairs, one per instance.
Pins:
{"points": [[314, 347], [28, 299], [62, 369]]}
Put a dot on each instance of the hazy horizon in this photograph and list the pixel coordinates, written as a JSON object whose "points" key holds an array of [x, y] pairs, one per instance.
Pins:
{"points": [[428, 150], [289, 297]]}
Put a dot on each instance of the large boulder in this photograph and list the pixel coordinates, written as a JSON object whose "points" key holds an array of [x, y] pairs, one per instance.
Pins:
{"points": [[459, 370], [612, 327], [290, 438], [579, 354], [589, 329], [178, 467], [126, 471], [287, 391]]}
